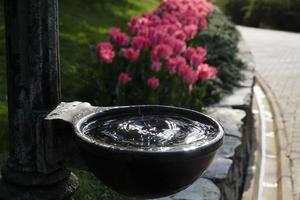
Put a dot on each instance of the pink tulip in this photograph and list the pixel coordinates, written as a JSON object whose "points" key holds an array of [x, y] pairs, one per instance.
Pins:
{"points": [[117, 37], [124, 78], [203, 24], [161, 51], [156, 66], [153, 83], [178, 46], [140, 43], [190, 31], [130, 54], [180, 35], [174, 63], [105, 52], [190, 76], [206, 72]]}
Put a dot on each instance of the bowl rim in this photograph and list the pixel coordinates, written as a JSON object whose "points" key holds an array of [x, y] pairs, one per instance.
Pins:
{"points": [[209, 146]]}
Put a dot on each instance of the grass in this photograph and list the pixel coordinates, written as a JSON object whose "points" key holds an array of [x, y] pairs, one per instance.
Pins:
{"points": [[82, 25]]}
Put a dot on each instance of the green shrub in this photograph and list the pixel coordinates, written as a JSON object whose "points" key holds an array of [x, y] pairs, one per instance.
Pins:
{"points": [[276, 14], [221, 39], [235, 9]]}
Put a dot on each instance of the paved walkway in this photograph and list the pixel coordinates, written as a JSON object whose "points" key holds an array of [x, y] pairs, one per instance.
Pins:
{"points": [[277, 57]]}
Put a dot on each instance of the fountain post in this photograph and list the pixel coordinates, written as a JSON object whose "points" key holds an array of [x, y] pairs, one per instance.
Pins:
{"points": [[33, 78]]}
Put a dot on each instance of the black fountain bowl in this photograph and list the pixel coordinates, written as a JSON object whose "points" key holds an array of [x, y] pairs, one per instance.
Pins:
{"points": [[148, 173]]}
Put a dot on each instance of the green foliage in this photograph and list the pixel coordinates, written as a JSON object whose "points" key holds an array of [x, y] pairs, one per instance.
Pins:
{"points": [[221, 39], [235, 9], [277, 14]]}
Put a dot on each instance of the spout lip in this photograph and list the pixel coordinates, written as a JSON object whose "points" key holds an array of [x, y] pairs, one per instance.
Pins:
{"points": [[210, 146]]}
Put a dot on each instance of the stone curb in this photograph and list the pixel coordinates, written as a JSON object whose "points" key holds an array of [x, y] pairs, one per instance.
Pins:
{"points": [[285, 190]]}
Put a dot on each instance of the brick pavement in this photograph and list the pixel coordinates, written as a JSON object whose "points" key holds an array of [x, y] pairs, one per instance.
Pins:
{"points": [[277, 57]]}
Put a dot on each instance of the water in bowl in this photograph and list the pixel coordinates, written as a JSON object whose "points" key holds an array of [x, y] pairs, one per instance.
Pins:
{"points": [[149, 131]]}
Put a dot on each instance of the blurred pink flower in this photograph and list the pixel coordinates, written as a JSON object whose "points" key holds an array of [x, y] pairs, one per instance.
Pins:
{"points": [[143, 32], [201, 50], [197, 59], [182, 70], [190, 31], [168, 18], [132, 25], [140, 43], [189, 76], [196, 56], [117, 37], [159, 36], [203, 24], [124, 78], [190, 52], [154, 20], [105, 52], [174, 63], [156, 66], [170, 29], [161, 51], [178, 46], [206, 72], [153, 82], [130, 54], [180, 35], [136, 23]]}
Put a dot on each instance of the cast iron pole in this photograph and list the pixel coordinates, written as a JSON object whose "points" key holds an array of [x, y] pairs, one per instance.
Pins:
{"points": [[33, 91]]}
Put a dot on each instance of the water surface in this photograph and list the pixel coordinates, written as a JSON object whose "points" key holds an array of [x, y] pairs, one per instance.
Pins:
{"points": [[150, 131]]}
